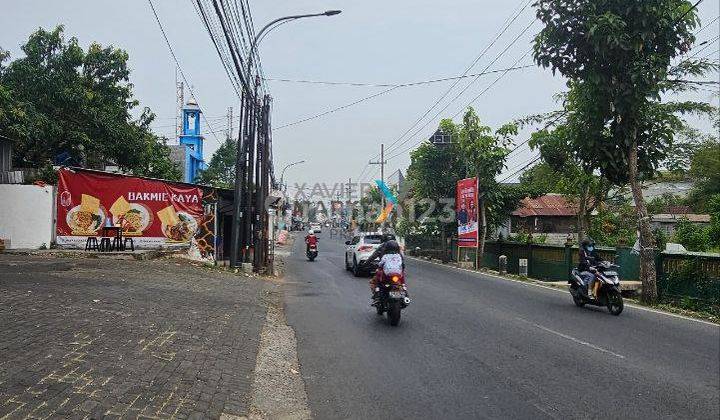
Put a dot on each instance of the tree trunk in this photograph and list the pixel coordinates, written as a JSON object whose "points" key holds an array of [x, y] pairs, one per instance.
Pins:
{"points": [[482, 231], [582, 214], [646, 240]]}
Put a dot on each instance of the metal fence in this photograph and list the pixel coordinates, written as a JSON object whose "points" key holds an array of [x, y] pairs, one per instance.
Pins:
{"points": [[696, 275]]}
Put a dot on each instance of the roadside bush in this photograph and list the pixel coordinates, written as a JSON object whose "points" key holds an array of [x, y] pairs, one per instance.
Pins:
{"points": [[690, 287], [691, 236]]}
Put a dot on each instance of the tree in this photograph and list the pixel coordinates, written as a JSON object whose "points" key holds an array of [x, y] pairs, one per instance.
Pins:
{"points": [[705, 169], [67, 106], [434, 171], [574, 176], [617, 54], [485, 153], [220, 172]]}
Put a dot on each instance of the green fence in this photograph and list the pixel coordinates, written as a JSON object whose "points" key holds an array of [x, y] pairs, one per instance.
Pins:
{"points": [[694, 275]]}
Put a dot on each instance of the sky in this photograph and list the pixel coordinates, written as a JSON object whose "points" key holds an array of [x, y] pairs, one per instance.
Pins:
{"points": [[371, 41]]}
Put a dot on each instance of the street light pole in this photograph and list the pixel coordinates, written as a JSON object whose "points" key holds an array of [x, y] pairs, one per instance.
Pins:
{"points": [[245, 158], [282, 174]]}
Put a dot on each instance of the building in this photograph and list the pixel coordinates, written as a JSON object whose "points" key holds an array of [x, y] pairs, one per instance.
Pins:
{"points": [[667, 222], [551, 215], [188, 154]]}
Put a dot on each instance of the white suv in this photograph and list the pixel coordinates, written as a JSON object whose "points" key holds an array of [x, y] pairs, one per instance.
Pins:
{"points": [[359, 249]]}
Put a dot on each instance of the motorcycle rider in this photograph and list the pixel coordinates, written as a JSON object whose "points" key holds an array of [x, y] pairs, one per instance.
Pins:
{"points": [[389, 247], [586, 265], [310, 239]]}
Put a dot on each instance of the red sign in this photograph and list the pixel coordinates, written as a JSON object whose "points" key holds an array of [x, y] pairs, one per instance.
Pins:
{"points": [[156, 213], [466, 196]]}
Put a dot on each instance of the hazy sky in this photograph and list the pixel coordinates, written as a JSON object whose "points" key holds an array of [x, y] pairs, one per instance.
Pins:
{"points": [[371, 41]]}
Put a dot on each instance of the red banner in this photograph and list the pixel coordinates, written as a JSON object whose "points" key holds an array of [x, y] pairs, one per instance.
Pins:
{"points": [[466, 196], [156, 213]]}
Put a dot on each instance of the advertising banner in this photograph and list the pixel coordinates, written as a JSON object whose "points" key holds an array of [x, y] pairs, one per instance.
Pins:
{"points": [[466, 196], [156, 214]]}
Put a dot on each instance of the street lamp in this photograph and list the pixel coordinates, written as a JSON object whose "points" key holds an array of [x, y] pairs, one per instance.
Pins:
{"points": [[242, 190], [282, 175], [284, 19]]}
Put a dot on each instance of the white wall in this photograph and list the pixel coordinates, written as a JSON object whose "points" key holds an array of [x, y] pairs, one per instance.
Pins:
{"points": [[27, 215]]}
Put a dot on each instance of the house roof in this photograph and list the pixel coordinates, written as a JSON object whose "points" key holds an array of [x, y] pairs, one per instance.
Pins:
{"points": [[546, 205], [674, 218]]}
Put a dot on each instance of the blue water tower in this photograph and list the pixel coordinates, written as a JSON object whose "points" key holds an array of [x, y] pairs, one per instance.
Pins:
{"points": [[193, 141]]}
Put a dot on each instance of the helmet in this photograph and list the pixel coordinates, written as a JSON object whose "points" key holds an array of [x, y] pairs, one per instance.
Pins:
{"points": [[387, 237], [587, 242], [311, 232]]}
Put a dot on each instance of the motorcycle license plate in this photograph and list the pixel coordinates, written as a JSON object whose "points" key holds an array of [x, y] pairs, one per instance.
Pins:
{"points": [[396, 295], [610, 273]]}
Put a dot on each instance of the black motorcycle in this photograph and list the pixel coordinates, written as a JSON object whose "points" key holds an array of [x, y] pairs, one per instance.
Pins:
{"points": [[608, 293], [391, 297], [312, 252]]}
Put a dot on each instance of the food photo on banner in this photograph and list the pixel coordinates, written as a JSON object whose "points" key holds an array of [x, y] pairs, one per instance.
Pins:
{"points": [[466, 196], [154, 213]]}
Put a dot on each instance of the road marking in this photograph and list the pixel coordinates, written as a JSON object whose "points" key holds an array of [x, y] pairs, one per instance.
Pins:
{"points": [[571, 338], [530, 283]]}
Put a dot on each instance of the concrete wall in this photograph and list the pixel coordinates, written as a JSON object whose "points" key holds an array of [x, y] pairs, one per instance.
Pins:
{"points": [[27, 215]]}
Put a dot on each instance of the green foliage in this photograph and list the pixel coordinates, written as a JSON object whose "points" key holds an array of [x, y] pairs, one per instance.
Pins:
{"points": [[692, 236], [485, 153], [614, 226], [660, 204], [714, 230], [705, 169], [60, 99], [661, 238], [691, 286], [220, 172], [617, 55]]}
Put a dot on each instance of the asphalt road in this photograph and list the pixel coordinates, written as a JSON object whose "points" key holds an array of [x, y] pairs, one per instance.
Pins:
{"points": [[474, 346]]}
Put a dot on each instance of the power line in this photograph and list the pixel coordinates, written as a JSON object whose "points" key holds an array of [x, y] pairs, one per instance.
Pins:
{"points": [[688, 11], [393, 87], [507, 25], [177, 63], [407, 84], [454, 99], [322, 114]]}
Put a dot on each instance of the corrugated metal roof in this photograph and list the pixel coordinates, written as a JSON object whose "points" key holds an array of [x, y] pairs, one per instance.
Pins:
{"points": [[546, 205], [673, 218]]}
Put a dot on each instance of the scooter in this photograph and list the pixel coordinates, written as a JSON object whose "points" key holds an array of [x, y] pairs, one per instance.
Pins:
{"points": [[391, 297], [312, 252], [608, 292]]}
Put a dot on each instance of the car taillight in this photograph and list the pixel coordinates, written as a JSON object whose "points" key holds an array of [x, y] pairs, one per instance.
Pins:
{"points": [[364, 248], [395, 279]]}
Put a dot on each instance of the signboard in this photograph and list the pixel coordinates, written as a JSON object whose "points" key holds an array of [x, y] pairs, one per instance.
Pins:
{"points": [[466, 196], [156, 213]]}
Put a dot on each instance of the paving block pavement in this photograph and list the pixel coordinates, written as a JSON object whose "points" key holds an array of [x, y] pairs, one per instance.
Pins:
{"points": [[91, 338]]}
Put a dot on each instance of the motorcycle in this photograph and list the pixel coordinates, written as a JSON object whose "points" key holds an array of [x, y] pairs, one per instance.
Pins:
{"points": [[312, 252], [391, 297], [608, 293]]}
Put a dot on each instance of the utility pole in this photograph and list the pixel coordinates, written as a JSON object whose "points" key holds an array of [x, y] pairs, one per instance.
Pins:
{"points": [[229, 129], [236, 235], [382, 163], [180, 102]]}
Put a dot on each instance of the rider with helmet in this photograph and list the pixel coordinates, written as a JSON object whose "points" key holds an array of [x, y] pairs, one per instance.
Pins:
{"points": [[586, 265], [391, 260], [310, 239]]}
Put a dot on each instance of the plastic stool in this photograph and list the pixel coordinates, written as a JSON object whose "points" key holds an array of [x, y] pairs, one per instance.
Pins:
{"points": [[132, 244], [105, 245]]}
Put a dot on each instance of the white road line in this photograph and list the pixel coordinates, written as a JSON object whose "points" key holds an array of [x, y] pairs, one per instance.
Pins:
{"points": [[629, 305], [573, 339]]}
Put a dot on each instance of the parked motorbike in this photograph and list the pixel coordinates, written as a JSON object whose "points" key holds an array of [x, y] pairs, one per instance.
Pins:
{"points": [[312, 252], [391, 297], [608, 293]]}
